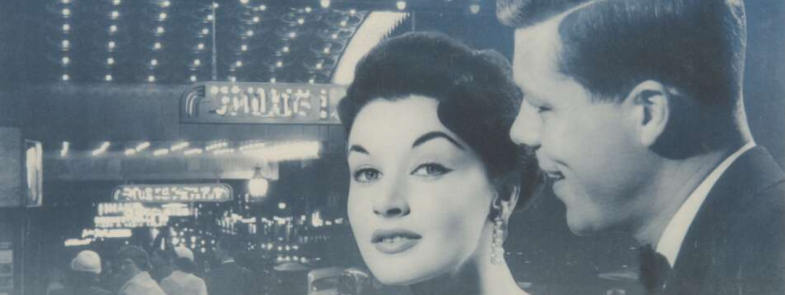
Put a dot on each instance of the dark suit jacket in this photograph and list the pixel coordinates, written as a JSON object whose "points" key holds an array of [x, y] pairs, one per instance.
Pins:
{"points": [[229, 279], [736, 243]]}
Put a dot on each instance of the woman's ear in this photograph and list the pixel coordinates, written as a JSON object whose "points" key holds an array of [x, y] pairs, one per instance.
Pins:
{"points": [[508, 205]]}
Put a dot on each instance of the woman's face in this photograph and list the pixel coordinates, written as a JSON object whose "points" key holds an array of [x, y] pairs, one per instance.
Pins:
{"points": [[419, 196]]}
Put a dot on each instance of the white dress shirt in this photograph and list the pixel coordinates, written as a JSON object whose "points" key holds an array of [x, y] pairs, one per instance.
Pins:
{"points": [[673, 236]]}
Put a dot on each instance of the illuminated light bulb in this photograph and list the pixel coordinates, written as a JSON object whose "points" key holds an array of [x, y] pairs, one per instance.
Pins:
{"points": [[301, 21], [66, 12], [244, 47], [66, 77], [327, 50], [474, 8], [111, 44], [262, 7], [257, 19], [115, 14], [239, 63], [130, 152], [285, 49], [232, 79], [110, 61], [281, 205], [325, 3], [311, 81], [205, 31], [151, 78], [66, 27], [166, 3], [160, 30], [154, 62], [244, 1], [157, 45], [116, 2], [249, 33], [142, 146], [113, 28], [162, 16], [279, 64], [215, 5], [343, 23], [401, 5], [161, 152], [353, 11], [308, 9], [200, 46], [197, 62], [66, 60], [108, 78], [319, 66], [272, 80], [335, 36], [292, 35], [66, 43], [193, 78], [66, 1], [210, 17]]}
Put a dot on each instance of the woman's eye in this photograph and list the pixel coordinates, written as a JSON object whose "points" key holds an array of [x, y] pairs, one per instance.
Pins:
{"points": [[366, 175], [431, 169]]}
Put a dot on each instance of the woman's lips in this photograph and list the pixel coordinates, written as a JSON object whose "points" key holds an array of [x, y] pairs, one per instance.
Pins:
{"points": [[395, 240]]}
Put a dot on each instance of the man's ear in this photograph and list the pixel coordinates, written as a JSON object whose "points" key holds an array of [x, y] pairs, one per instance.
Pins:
{"points": [[650, 102]]}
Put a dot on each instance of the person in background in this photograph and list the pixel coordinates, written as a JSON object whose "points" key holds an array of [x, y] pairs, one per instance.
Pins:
{"points": [[636, 111], [82, 279], [54, 280], [229, 278], [134, 265], [182, 281]]}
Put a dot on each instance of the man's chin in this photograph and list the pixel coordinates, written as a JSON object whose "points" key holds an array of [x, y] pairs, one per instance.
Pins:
{"points": [[580, 226]]}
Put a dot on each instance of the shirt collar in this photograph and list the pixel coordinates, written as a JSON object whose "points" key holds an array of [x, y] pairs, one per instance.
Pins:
{"points": [[670, 242]]}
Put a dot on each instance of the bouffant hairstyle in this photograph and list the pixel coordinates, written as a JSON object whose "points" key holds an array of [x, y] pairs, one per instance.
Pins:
{"points": [[478, 99]]}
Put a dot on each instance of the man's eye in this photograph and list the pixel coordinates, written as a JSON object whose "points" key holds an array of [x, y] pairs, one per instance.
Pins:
{"points": [[541, 110], [367, 175], [431, 170]]}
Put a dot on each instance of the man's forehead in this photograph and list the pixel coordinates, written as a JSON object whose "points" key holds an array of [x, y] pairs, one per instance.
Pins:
{"points": [[536, 51]]}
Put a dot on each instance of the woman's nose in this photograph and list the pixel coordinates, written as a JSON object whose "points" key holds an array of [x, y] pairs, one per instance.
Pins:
{"points": [[392, 203]]}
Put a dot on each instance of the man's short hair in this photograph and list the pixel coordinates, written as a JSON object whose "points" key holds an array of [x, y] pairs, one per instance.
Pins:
{"points": [[137, 255], [231, 244], [610, 46]]}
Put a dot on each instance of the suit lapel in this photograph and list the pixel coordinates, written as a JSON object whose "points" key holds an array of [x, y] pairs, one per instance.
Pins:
{"points": [[705, 245]]}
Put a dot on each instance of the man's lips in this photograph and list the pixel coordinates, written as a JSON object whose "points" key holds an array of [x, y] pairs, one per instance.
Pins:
{"points": [[554, 175]]}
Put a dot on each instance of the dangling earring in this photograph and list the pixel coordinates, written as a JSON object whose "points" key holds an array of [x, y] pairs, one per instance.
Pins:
{"points": [[497, 251]]}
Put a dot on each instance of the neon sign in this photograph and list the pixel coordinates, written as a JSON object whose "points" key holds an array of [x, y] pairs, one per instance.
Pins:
{"points": [[172, 193]]}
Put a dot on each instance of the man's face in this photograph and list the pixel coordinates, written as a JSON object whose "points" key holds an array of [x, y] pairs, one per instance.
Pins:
{"points": [[588, 149]]}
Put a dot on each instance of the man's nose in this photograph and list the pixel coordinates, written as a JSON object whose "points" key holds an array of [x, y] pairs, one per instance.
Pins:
{"points": [[526, 128]]}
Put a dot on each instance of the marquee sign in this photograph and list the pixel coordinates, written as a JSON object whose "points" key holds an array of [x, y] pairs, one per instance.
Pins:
{"points": [[169, 193], [261, 103]]}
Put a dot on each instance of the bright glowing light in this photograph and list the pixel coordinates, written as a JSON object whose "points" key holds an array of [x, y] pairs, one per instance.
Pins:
{"points": [[301, 21], [353, 11], [223, 152], [166, 3], [151, 78], [77, 242], [262, 7], [308, 9], [205, 31], [474, 8], [162, 16], [232, 79], [193, 78], [281, 205], [200, 46], [160, 152], [108, 78], [244, 1], [197, 62], [312, 81], [66, 27], [257, 19], [117, 2], [252, 146], [401, 5], [193, 152], [157, 45], [113, 28], [66, 77], [238, 64], [110, 61], [335, 36], [130, 152], [66, 147], [115, 14], [319, 65], [66, 43], [215, 5], [142, 146], [154, 62], [279, 64], [160, 30], [343, 23], [249, 33], [66, 12], [325, 3], [180, 146], [273, 80], [66, 60], [258, 185], [66, 1], [102, 149], [216, 146], [288, 151], [210, 17], [244, 47], [111, 44], [292, 35]]}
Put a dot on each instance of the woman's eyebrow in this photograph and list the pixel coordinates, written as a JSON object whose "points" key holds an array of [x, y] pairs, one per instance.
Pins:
{"points": [[359, 149], [434, 135]]}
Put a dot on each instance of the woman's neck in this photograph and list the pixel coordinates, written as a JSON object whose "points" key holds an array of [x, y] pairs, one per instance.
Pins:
{"points": [[480, 278]]}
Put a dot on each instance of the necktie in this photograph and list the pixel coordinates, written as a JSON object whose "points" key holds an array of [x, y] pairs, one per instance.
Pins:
{"points": [[654, 269]]}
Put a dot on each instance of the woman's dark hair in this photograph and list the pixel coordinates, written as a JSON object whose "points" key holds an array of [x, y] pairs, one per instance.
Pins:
{"points": [[478, 99], [185, 265]]}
